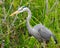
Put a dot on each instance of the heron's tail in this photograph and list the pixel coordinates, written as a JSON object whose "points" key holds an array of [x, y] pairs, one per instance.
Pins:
{"points": [[54, 39]]}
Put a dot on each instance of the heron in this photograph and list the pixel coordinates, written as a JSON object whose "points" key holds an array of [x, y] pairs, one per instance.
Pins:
{"points": [[39, 31]]}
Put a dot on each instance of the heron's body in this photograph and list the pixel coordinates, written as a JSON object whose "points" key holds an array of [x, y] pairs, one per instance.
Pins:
{"points": [[39, 31], [42, 32]]}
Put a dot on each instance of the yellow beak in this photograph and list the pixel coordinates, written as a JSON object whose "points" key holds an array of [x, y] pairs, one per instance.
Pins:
{"points": [[16, 12]]}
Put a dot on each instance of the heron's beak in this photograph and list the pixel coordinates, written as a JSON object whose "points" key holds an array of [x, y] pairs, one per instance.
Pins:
{"points": [[16, 12]]}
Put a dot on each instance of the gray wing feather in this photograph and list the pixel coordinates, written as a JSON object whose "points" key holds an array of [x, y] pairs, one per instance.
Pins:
{"points": [[44, 32]]}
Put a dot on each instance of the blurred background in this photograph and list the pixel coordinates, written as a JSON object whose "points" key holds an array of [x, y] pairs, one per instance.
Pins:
{"points": [[13, 31]]}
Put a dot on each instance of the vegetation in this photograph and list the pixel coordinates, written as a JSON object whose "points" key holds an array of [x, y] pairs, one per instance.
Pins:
{"points": [[13, 31]]}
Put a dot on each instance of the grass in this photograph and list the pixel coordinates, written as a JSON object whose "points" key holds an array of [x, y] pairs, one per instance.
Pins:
{"points": [[13, 29]]}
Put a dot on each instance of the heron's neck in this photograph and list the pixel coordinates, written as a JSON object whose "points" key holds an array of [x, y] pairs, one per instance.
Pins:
{"points": [[27, 21], [29, 15]]}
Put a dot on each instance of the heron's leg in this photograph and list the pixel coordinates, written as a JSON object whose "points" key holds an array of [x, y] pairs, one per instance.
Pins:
{"points": [[45, 45]]}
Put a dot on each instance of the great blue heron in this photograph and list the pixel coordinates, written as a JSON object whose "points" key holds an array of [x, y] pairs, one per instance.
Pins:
{"points": [[40, 32]]}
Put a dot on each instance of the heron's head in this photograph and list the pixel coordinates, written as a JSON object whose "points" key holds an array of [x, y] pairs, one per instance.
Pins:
{"points": [[20, 10]]}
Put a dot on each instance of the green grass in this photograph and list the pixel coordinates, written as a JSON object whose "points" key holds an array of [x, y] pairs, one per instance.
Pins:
{"points": [[13, 29]]}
